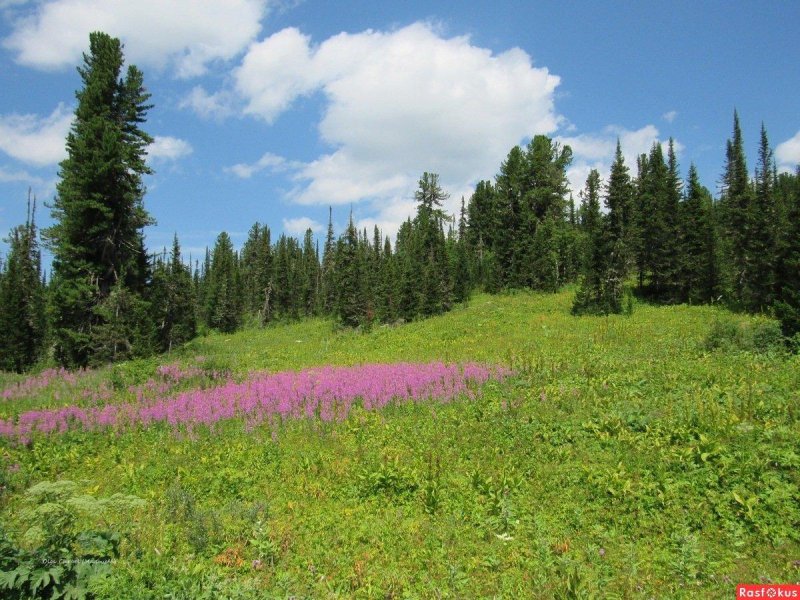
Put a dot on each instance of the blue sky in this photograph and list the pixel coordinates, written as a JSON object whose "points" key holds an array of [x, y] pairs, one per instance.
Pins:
{"points": [[273, 111]]}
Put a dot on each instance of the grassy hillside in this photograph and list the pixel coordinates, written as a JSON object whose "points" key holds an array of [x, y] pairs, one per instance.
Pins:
{"points": [[624, 458]]}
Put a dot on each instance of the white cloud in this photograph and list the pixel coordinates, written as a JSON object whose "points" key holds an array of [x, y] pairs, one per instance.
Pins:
{"points": [[38, 141], [168, 148], [299, 226], [209, 106], [17, 176], [787, 154], [396, 104], [270, 161], [185, 34], [669, 117], [596, 151]]}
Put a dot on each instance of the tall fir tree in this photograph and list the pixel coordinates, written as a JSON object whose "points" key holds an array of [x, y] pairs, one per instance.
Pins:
{"points": [[22, 299], [97, 239], [735, 207], [619, 203], [600, 291], [762, 230], [699, 277], [351, 306], [328, 275], [787, 305], [434, 271], [223, 301], [173, 302]]}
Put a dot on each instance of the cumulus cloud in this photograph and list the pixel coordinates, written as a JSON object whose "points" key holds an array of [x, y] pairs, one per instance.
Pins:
{"points": [[787, 154], [38, 141], [299, 226], [396, 104], [19, 176], [185, 34], [670, 116], [168, 148], [269, 161], [209, 106], [596, 151]]}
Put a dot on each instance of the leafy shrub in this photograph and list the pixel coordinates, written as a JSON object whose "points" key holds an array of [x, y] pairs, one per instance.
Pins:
{"points": [[58, 557], [760, 336]]}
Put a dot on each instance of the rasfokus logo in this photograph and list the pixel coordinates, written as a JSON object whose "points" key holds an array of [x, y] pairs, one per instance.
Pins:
{"points": [[767, 591]]}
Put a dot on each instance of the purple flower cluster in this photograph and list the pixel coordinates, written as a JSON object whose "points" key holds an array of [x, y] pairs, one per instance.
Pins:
{"points": [[324, 392], [30, 386]]}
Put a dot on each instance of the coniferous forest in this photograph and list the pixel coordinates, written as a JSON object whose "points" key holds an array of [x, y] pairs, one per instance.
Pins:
{"points": [[649, 230]]}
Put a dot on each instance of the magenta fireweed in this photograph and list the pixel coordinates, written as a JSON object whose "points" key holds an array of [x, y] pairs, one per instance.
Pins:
{"points": [[324, 392]]}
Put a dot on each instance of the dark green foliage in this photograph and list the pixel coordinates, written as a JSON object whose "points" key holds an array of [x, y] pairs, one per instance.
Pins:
{"points": [[98, 211], [256, 270], [310, 276], [351, 305], [699, 256], [328, 276], [223, 309], [600, 291], [787, 305], [459, 251], [736, 207], [172, 301], [520, 230], [656, 225], [22, 300], [761, 244], [430, 254], [124, 327]]}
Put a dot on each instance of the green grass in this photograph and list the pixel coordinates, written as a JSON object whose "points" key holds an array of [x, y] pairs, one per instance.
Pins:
{"points": [[624, 460]]}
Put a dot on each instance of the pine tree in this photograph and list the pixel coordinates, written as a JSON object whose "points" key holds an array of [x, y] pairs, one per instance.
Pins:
{"points": [[483, 229], [173, 302], [761, 243], [671, 246], [600, 292], [787, 306], [655, 225], [309, 276], [351, 307], [328, 275], [22, 294], [434, 272], [97, 238], [619, 203], [699, 259], [736, 206], [459, 259], [223, 308]]}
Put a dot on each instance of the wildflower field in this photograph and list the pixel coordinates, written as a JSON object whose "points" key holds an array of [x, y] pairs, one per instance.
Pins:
{"points": [[506, 449]]}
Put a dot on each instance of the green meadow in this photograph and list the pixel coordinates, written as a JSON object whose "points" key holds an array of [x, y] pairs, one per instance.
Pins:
{"points": [[650, 455]]}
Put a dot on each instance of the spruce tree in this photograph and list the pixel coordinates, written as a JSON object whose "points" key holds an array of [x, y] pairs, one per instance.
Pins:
{"points": [[309, 285], [223, 308], [600, 292], [761, 243], [22, 299], [351, 307], [619, 203], [98, 210], [736, 206], [328, 275], [173, 302], [699, 259], [787, 305], [434, 272]]}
